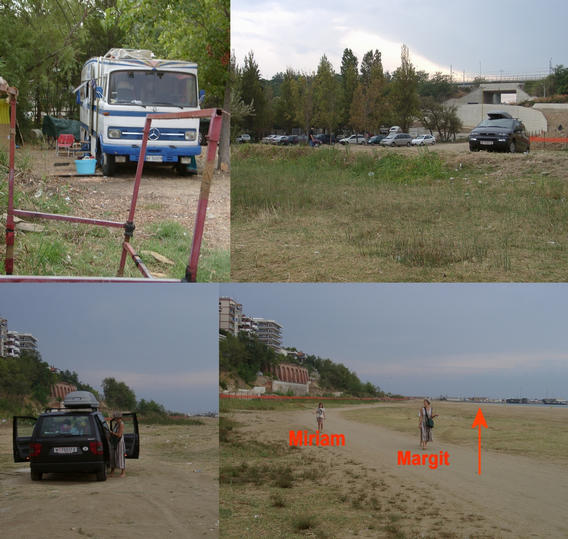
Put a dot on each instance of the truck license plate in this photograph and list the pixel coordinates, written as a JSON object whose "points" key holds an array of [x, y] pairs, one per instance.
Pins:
{"points": [[154, 158], [486, 142], [65, 450]]}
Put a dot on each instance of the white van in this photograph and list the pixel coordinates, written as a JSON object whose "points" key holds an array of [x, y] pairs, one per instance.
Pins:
{"points": [[395, 129], [116, 94]]}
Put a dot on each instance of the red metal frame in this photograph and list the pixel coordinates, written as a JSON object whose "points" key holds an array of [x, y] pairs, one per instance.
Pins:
{"points": [[216, 116]]}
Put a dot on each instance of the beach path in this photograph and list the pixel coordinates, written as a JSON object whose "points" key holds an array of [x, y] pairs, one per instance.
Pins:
{"points": [[515, 496]]}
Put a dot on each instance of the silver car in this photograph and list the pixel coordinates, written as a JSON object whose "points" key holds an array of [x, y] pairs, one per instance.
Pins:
{"points": [[422, 140], [397, 139]]}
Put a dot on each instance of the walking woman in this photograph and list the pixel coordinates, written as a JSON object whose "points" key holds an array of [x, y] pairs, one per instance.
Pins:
{"points": [[117, 448], [320, 416], [425, 423]]}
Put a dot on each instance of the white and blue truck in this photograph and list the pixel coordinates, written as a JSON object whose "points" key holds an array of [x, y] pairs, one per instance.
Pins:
{"points": [[117, 92]]}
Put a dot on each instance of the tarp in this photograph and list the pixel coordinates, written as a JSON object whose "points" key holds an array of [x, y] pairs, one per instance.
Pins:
{"points": [[53, 127], [4, 113]]}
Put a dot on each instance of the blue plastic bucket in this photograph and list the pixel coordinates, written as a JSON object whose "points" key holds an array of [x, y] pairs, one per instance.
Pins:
{"points": [[85, 166]]}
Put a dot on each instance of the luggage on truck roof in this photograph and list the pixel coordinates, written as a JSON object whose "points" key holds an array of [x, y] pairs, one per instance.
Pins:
{"points": [[80, 399], [130, 54]]}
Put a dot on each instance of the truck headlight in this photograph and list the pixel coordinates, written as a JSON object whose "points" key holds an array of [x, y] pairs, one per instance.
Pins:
{"points": [[114, 133], [190, 135]]}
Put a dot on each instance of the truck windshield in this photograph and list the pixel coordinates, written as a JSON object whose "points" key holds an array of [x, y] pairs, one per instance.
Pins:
{"points": [[153, 88]]}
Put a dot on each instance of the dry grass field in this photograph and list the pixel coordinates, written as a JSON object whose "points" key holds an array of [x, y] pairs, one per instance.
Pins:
{"points": [[405, 214]]}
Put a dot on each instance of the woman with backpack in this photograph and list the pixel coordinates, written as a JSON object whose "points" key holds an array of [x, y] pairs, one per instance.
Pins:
{"points": [[426, 423]]}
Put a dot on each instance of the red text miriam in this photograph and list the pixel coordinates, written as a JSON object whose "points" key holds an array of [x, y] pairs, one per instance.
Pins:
{"points": [[302, 437], [406, 458]]}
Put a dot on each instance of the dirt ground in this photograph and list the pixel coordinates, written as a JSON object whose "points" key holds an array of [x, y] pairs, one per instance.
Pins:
{"points": [[514, 496], [170, 491], [163, 195]]}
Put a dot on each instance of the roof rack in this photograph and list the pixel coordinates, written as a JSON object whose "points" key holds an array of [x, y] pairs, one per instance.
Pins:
{"points": [[130, 54]]}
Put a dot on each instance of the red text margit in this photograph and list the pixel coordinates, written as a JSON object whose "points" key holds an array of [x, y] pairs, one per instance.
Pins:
{"points": [[302, 437], [406, 458]]}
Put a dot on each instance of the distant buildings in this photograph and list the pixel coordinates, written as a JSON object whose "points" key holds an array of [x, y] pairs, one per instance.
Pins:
{"points": [[269, 332], [233, 320], [230, 315], [13, 343]]}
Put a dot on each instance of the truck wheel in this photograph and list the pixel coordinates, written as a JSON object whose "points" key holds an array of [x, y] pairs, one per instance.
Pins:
{"points": [[102, 474], [107, 163], [512, 147], [36, 476]]}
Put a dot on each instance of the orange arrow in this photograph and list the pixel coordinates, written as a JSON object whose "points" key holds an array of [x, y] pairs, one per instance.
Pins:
{"points": [[479, 421]]}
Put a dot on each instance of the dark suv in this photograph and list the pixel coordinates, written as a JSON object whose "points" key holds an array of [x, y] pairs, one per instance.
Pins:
{"points": [[72, 439], [500, 132]]}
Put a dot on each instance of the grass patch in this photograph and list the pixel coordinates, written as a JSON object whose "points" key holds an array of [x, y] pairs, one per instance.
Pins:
{"points": [[74, 249], [518, 430], [397, 215], [304, 522]]}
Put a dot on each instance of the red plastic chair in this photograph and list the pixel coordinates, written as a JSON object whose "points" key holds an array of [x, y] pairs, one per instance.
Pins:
{"points": [[64, 141]]}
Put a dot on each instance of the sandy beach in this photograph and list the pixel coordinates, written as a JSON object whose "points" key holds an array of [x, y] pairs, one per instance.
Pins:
{"points": [[515, 496]]}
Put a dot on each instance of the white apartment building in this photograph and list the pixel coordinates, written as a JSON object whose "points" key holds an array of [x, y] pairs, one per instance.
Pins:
{"points": [[230, 315], [269, 332]]}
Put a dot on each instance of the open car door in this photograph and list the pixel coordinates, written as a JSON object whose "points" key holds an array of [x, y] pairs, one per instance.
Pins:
{"points": [[22, 429], [131, 436]]}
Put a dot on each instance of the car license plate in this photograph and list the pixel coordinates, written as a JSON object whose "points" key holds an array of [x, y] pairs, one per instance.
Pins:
{"points": [[154, 158], [486, 142], [65, 450]]}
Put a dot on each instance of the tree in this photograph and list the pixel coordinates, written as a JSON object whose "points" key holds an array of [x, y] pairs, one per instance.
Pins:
{"points": [[368, 107], [252, 93], [287, 105], [327, 96], [349, 81], [118, 395], [305, 100], [441, 118], [404, 92], [439, 86]]}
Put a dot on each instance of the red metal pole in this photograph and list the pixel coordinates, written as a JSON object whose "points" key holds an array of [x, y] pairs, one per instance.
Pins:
{"points": [[70, 218], [10, 230], [213, 141], [137, 260], [130, 221]]}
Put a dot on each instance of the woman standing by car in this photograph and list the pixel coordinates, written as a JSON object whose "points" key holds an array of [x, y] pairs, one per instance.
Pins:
{"points": [[426, 423], [117, 448]]}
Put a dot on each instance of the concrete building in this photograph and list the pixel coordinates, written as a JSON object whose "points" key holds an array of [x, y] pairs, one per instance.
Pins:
{"points": [[230, 315], [60, 389], [18, 343], [248, 325], [3, 336], [269, 332], [286, 372]]}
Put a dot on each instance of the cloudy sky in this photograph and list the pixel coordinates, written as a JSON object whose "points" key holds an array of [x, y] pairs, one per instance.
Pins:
{"points": [[493, 340], [160, 339], [512, 36]]}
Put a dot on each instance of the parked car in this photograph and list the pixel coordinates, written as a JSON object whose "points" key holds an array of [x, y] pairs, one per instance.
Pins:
{"points": [[395, 129], [423, 140], [241, 139], [71, 439], [288, 140], [267, 139], [499, 132], [277, 138], [326, 138], [354, 139], [397, 139], [376, 139]]}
